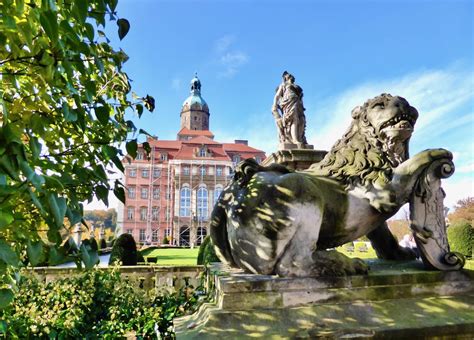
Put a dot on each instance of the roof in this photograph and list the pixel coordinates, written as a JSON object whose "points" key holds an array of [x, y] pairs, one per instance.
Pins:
{"points": [[166, 144], [200, 140], [233, 147], [187, 132], [188, 152]]}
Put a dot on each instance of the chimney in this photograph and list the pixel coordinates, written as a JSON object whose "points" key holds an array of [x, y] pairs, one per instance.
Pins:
{"points": [[242, 141]]}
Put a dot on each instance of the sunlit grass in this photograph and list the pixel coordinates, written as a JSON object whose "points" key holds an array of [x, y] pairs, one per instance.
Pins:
{"points": [[358, 250], [173, 256]]}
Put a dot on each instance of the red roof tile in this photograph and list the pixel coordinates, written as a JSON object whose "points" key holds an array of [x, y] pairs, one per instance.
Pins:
{"points": [[201, 140], [188, 132], [232, 147]]}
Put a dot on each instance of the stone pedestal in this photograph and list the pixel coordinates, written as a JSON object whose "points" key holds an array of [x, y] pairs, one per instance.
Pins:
{"points": [[396, 301], [295, 159]]}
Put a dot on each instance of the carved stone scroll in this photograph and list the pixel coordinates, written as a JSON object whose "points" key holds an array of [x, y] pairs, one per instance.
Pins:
{"points": [[428, 220]]}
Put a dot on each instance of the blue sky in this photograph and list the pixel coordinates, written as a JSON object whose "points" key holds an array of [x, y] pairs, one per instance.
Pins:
{"points": [[341, 53]]}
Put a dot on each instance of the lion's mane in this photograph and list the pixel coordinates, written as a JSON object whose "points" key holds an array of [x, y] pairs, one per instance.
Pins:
{"points": [[358, 157]]}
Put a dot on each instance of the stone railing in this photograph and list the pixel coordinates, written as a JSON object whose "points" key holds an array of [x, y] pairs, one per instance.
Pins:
{"points": [[146, 277]]}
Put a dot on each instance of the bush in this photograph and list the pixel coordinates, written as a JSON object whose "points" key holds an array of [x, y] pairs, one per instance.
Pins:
{"points": [[124, 250], [461, 237], [95, 305], [166, 240], [207, 253]]}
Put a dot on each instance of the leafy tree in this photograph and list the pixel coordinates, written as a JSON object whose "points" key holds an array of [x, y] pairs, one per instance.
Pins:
{"points": [[461, 237], [207, 254], [63, 98], [125, 251], [464, 210]]}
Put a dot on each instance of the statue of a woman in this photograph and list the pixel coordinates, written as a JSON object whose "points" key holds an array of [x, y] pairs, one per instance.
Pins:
{"points": [[288, 111]]}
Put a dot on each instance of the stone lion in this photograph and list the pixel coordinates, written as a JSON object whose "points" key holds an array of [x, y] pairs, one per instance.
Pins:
{"points": [[270, 220]]}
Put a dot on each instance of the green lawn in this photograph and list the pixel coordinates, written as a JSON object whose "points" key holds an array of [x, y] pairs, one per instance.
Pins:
{"points": [[173, 256], [369, 254]]}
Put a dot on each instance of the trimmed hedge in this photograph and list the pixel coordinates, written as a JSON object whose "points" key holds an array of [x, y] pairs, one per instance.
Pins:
{"points": [[124, 250], [461, 237], [206, 252]]}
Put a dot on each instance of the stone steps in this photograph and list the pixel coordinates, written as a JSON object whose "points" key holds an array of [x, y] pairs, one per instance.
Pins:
{"points": [[393, 301]]}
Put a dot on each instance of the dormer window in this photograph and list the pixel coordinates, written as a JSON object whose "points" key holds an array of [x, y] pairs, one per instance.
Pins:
{"points": [[202, 152], [164, 157], [236, 159], [139, 156]]}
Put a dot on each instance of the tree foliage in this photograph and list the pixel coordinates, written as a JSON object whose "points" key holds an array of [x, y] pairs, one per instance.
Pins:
{"points": [[461, 237], [464, 210], [125, 251], [63, 98]]}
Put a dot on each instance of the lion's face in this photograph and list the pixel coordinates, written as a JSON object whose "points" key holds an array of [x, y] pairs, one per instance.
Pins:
{"points": [[392, 117]]}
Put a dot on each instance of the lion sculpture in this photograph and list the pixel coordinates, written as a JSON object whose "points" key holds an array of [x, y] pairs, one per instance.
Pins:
{"points": [[270, 220]]}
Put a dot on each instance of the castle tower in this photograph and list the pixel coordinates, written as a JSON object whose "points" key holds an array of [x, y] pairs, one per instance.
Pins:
{"points": [[195, 112]]}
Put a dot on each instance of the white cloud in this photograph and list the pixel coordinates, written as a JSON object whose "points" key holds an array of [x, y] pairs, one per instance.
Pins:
{"points": [[229, 58]]}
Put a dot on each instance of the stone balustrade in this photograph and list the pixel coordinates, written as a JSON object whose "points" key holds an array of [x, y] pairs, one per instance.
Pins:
{"points": [[146, 277]]}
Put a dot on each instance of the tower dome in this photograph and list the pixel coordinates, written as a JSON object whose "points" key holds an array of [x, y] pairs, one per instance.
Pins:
{"points": [[195, 101], [195, 112]]}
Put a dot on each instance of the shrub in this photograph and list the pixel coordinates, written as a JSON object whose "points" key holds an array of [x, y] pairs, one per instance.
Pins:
{"points": [[95, 305], [124, 250], [461, 237], [166, 240], [206, 252]]}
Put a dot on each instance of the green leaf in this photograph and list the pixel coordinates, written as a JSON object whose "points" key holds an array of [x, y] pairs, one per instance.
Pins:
{"points": [[56, 256], [118, 163], [31, 176], [89, 31], [143, 132], [35, 252], [123, 27], [35, 147], [69, 115], [57, 206], [6, 219], [149, 103], [146, 147], [49, 22], [139, 108], [102, 113], [102, 193], [6, 297], [7, 254], [119, 193], [89, 253], [80, 10], [132, 147]]}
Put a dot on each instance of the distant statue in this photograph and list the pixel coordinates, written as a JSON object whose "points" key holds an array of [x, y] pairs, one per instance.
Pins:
{"points": [[288, 111]]}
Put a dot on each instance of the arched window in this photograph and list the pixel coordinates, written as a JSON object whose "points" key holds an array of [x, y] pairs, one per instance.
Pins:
{"points": [[184, 236], [185, 202], [217, 193], [202, 204]]}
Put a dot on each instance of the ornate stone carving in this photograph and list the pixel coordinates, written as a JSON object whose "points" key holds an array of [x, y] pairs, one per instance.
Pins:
{"points": [[427, 218], [288, 111], [270, 220]]}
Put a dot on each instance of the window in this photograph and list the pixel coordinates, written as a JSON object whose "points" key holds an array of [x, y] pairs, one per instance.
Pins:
{"points": [[164, 156], [186, 170], [202, 203], [145, 173], [129, 231], [185, 202], [131, 192], [236, 159], [155, 213], [132, 172], [202, 152], [217, 193], [156, 193], [139, 155], [154, 235], [143, 213], [258, 159], [130, 211], [167, 232], [203, 171], [156, 173], [144, 193], [142, 236], [168, 213], [219, 171]]}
